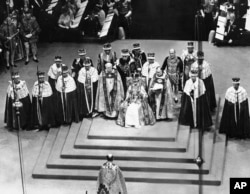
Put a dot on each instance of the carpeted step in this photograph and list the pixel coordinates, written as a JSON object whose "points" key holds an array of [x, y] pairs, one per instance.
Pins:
{"points": [[106, 129], [83, 143], [55, 161]]}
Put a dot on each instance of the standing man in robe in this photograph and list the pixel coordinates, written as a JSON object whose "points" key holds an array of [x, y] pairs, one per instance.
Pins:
{"points": [[17, 90], [138, 55], [205, 73], [106, 57], [87, 86], [79, 63], [174, 68], [110, 92], [149, 68], [161, 96], [235, 121], [110, 179], [42, 113], [189, 56], [126, 67], [66, 98], [54, 72], [194, 104]]}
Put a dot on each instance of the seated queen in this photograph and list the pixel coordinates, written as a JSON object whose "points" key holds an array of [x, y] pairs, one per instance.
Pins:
{"points": [[135, 110]]}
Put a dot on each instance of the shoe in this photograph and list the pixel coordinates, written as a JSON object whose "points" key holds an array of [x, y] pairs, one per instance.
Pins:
{"points": [[27, 62], [175, 100], [36, 60], [95, 114], [8, 67]]}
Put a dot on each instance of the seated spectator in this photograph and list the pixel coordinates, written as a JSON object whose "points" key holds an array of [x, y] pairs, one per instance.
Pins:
{"points": [[66, 18], [94, 21], [124, 11]]}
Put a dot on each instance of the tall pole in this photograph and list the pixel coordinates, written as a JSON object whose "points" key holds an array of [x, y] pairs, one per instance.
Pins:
{"points": [[199, 160], [16, 105]]}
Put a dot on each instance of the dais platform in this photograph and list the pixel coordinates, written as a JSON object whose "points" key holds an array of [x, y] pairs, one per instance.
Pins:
{"points": [[163, 153]]}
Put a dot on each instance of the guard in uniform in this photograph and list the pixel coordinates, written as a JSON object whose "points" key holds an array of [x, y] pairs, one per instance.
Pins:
{"points": [[174, 69], [42, 114], [79, 63], [8, 35], [86, 88], [106, 57], [30, 32], [17, 90]]}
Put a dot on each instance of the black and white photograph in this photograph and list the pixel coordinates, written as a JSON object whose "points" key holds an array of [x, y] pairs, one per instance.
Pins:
{"points": [[124, 96]]}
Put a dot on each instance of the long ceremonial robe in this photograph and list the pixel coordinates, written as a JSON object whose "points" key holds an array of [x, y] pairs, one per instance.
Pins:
{"points": [[66, 102], [109, 94], [103, 58], [53, 74], [233, 124], [148, 71], [86, 89], [194, 105], [135, 110], [174, 67], [125, 68], [22, 94], [77, 65], [161, 97], [140, 59], [110, 180], [42, 112], [206, 76]]}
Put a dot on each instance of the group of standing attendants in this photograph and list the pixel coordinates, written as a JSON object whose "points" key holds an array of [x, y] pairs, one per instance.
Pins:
{"points": [[19, 30], [134, 89]]}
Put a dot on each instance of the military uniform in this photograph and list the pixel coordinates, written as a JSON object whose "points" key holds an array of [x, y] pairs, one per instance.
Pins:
{"points": [[30, 30]]}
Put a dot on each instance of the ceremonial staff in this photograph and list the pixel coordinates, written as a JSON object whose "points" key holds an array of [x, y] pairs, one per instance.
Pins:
{"points": [[199, 160], [63, 96], [39, 99], [16, 105]]}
